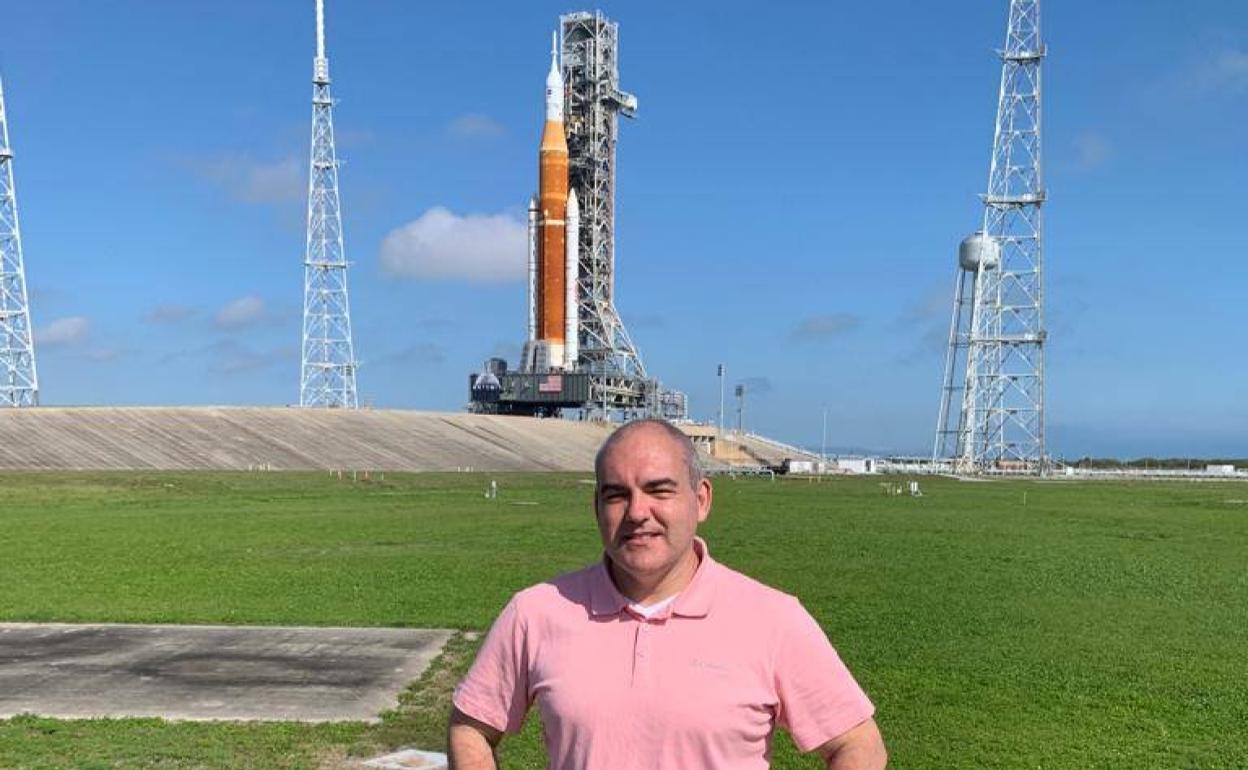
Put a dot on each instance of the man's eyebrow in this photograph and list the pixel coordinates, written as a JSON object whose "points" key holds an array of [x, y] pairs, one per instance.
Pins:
{"points": [[663, 482], [649, 485]]}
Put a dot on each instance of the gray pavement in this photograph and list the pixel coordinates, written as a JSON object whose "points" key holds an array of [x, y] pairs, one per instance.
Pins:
{"points": [[209, 672]]}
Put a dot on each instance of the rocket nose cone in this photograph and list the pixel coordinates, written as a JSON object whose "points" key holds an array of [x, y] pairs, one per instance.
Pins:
{"points": [[554, 85]]}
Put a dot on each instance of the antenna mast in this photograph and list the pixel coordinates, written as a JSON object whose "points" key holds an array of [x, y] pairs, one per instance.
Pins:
{"points": [[19, 384], [992, 403], [328, 361]]}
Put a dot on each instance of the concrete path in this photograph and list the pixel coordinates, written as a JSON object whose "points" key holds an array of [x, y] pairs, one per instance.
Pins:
{"points": [[209, 672]]}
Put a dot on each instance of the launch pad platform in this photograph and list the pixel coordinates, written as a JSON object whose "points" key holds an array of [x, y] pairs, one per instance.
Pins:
{"points": [[497, 390], [530, 394]]}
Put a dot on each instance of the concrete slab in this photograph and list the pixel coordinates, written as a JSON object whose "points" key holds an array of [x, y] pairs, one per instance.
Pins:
{"points": [[209, 672], [410, 759]]}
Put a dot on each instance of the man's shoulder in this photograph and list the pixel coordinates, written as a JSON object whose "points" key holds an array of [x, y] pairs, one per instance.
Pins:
{"points": [[753, 595]]}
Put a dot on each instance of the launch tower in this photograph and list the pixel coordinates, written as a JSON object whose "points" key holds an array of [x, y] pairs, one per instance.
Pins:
{"points": [[992, 400], [578, 355], [328, 368], [19, 385], [591, 72]]}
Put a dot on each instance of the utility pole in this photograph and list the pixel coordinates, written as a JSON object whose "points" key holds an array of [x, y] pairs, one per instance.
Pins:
{"points": [[721, 401]]}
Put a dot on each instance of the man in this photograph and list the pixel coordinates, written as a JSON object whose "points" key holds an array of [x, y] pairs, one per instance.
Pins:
{"points": [[659, 657]]}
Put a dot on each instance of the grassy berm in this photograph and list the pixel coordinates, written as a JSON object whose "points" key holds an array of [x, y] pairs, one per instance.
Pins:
{"points": [[996, 625]]}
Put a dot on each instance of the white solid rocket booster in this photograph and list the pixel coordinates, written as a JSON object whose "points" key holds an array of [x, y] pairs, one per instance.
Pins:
{"points": [[533, 209], [572, 263]]}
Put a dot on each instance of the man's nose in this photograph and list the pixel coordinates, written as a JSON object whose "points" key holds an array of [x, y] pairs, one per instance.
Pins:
{"points": [[638, 508]]}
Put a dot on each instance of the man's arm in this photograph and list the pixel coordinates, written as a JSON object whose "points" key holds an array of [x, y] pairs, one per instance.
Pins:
{"points": [[471, 743], [859, 748]]}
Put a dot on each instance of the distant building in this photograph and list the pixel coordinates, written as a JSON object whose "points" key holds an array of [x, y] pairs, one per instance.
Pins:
{"points": [[802, 466], [857, 464]]}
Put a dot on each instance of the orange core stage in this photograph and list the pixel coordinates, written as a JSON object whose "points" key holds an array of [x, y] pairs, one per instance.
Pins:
{"points": [[551, 232]]}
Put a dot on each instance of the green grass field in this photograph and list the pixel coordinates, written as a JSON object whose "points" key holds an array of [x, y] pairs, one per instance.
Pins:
{"points": [[995, 625]]}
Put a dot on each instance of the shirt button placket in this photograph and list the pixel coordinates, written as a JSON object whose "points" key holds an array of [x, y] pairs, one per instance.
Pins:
{"points": [[641, 661]]}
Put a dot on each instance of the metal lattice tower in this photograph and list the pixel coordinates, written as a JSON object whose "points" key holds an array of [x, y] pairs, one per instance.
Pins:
{"points": [[992, 402], [19, 384], [328, 370], [594, 103]]}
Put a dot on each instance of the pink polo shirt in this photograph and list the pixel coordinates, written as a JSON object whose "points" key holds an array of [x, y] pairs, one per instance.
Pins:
{"points": [[702, 684]]}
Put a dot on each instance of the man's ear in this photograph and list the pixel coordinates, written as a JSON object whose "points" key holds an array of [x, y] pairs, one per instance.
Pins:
{"points": [[704, 495]]}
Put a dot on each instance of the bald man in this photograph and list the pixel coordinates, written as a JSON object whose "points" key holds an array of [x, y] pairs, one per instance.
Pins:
{"points": [[659, 657]]}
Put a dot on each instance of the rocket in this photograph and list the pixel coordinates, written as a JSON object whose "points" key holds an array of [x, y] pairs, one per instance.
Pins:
{"points": [[554, 236]]}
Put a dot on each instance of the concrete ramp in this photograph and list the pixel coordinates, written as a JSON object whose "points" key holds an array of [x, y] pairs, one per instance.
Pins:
{"points": [[242, 438]]}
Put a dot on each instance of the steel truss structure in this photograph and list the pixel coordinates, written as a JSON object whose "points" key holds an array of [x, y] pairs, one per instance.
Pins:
{"points": [[594, 102], [328, 361], [992, 402], [19, 382]]}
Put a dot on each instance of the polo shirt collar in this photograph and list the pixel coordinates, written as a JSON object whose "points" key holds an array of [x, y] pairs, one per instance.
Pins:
{"points": [[693, 602]]}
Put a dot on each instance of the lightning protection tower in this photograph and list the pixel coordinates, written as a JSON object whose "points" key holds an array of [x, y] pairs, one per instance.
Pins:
{"points": [[591, 73], [19, 385], [992, 400], [328, 371]]}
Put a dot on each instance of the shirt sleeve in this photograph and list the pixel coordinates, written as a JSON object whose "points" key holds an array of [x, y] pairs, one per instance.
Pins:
{"points": [[496, 689], [819, 699]]}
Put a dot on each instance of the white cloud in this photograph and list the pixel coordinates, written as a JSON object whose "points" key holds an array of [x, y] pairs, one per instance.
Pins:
{"points": [[64, 331], [441, 244], [1224, 70], [240, 313], [475, 125], [252, 181]]}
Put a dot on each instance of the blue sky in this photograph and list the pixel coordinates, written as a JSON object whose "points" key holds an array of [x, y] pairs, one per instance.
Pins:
{"points": [[790, 199]]}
